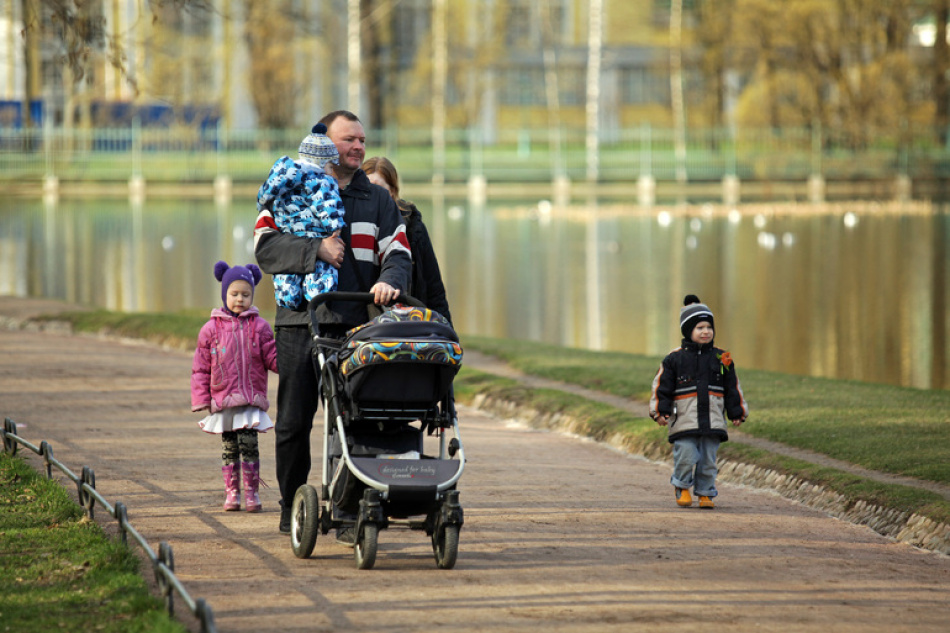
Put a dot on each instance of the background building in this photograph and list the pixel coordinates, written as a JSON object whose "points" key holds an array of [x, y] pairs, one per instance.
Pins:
{"points": [[255, 64], [697, 88]]}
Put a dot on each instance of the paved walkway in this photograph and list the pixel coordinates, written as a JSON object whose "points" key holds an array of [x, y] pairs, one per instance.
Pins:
{"points": [[14, 311], [559, 535]]}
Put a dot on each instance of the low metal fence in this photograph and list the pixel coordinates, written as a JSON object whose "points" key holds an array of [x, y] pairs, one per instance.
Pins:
{"points": [[163, 563], [190, 155]]}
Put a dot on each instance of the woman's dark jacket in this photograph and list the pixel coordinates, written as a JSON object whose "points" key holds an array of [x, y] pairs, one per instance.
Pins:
{"points": [[426, 281]]}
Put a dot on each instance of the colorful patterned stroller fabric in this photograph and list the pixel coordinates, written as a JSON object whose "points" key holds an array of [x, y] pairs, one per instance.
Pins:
{"points": [[360, 352], [406, 354]]}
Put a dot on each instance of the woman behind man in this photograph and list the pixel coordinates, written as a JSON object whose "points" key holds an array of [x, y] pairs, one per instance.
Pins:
{"points": [[426, 282]]}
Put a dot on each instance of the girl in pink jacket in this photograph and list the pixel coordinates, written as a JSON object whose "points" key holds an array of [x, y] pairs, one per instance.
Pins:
{"points": [[235, 350]]}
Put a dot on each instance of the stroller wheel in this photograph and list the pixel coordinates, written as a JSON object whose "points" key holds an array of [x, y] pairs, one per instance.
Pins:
{"points": [[304, 520], [365, 549], [445, 544]]}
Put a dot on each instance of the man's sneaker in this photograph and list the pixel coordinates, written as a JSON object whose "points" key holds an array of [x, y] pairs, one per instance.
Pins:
{"points": [[346, 536], [284, 519], [706, 502], [683, 498]]}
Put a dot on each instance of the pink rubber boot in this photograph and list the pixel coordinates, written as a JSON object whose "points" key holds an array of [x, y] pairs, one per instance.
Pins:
{"points": [[232, 486], [252, 478]]}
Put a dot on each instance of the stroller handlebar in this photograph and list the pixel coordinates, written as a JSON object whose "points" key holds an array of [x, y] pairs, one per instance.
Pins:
{"points": [[359, 297]]}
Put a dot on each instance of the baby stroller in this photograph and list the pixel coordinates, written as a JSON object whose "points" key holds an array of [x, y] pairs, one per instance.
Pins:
{"points": [[385, 389]]}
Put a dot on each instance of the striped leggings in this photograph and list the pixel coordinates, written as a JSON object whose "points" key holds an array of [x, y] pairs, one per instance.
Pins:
{"points": [[238, 445]]}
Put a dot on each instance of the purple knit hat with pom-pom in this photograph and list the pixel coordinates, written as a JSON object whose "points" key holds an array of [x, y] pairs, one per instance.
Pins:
{"points": [[227, 275]]}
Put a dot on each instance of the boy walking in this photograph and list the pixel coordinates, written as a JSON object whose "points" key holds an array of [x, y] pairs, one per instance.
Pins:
{"points": [[695, 390]]}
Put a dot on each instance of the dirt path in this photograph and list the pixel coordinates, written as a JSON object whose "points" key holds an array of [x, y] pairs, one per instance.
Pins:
{"points": [[560, 534]]}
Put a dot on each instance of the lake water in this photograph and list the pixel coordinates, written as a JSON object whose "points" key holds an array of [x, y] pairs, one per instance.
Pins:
{"points": [[857, 291]]}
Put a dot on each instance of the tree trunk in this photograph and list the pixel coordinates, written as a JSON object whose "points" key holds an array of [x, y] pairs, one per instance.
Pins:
{"points": [[354, 64], [940, 69], [440, 66], [676, 89], [31, 58], [377, 79], [594, 45]]}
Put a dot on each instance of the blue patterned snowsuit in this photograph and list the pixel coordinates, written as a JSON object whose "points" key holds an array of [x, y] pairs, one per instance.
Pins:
{"points": [[304, 201]]}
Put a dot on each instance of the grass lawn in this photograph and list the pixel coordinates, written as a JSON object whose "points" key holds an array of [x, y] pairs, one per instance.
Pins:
{"points": [[60, 571]]}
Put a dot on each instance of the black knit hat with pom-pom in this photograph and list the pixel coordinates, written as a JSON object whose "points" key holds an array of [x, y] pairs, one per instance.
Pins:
{"points": [[692, 312]]}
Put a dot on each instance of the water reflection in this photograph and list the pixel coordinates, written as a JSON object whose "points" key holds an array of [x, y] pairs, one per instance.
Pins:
{"points": [[855, 291]]}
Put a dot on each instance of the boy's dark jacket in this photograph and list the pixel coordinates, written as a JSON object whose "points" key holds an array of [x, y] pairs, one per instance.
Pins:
{"points": [[698, 388]]}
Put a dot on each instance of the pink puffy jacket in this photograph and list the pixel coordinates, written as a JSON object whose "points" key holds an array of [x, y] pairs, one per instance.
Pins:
{"points": [[231, 362]]}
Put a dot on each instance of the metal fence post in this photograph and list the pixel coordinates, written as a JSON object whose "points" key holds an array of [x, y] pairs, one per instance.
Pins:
{"points": [[166, 558], [86, 499], [46, 452]]}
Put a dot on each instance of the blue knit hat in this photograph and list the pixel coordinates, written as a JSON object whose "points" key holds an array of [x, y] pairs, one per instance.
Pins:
{"points": [[317, 149], [228, 275]]}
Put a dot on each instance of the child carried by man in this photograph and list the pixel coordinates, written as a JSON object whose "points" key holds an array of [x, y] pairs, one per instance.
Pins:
{"points": [[302, 197]]}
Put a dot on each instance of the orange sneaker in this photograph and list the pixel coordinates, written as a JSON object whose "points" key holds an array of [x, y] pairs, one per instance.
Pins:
{"points": [[706, 502], [683, 498]]}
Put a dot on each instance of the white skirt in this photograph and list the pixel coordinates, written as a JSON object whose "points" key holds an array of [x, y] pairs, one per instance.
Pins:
{"points": [[237, 418]]}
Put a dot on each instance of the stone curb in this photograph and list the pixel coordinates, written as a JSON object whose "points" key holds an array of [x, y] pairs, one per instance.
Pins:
{"points": [[912, 529]]}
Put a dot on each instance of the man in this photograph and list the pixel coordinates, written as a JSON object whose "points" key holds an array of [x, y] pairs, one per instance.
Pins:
{"points": [[379, 255]]}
